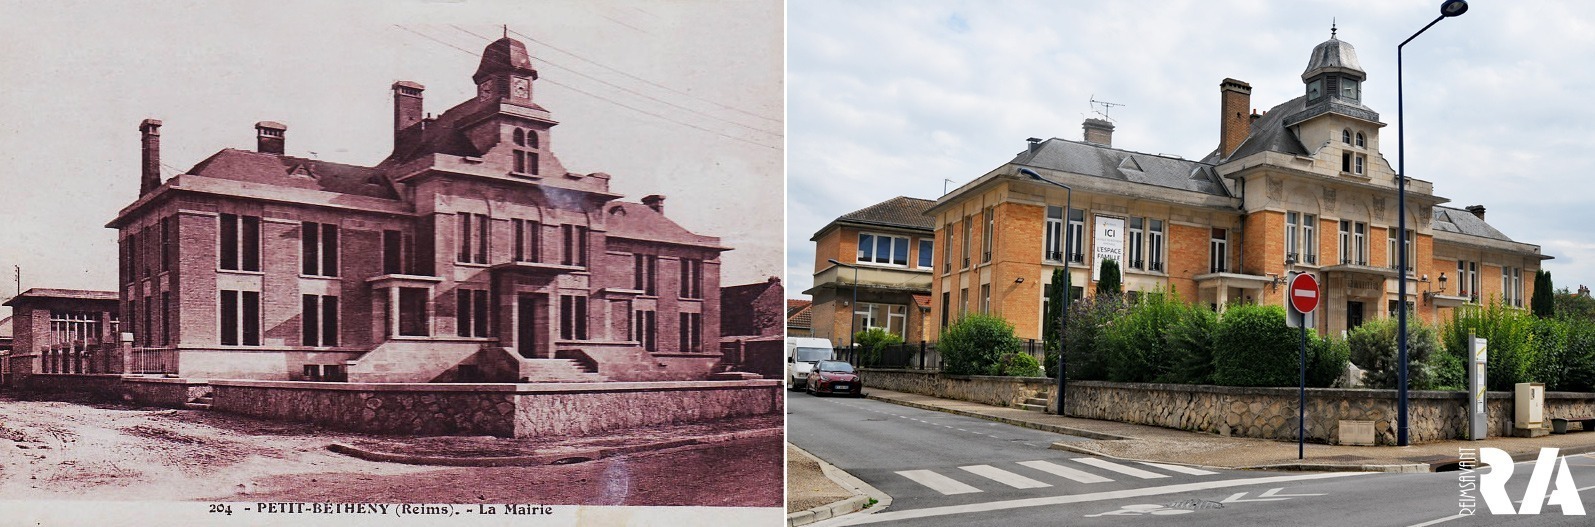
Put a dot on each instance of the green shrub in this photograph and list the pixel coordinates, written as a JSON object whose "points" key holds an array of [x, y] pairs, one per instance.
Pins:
{"points": [[1135, 346], [1552, 358], [1018, 365], [1109, 282], [872, 341], [1373, 348], [1580, 373], [1190, 346], [1087, 320], [1254, 347], [1326, 360], [1508, 331], [974, 345]]}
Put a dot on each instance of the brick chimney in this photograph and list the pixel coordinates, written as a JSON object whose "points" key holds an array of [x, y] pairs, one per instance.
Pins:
{"points": [[406, 104], [269, 137], [1234, 121], [655, 202], [1477, 210], [150, 177], [1098, 131]]}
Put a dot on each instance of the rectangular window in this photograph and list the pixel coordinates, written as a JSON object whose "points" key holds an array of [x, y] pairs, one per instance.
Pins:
{"points": [[883, 249], [947, 249], [413, 312], [149, 324], [1390, 247], [985, 299], [473, 238], [691, 332], [691, 278], [168, 242], [240, 242], [392, 252], [969, 232], [1361, 160], [572, 317], [1292, 245], [1052, 246], [1154, 245], [644, 329], [166, 318], [890, 317], [319, 249], [963, 302], [240, 318], [130, 263], [1076, 236], [644, 275], [925, 253], [1506, 285], [319, 320], [1218, 248], [132, 313], [987, 236], [1309, 239], [946, 302], [471, 313], [1345, 242], [575, 237], [1359, 241], [1345, 161], [528, 241], [1137, 256]]}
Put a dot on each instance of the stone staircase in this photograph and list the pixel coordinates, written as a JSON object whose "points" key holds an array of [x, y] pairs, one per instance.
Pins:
{"points": [[557, 370], [412, 361], [1036, 404], [202, 402]]}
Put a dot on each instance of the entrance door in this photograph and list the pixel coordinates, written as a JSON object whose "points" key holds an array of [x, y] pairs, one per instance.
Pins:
{"points": [[526, 326], [1353, 314]]}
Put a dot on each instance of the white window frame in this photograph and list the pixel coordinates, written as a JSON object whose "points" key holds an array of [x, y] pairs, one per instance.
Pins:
{"points": [[1075, 251], [874, 258], [1052, 237], [1218, 250], [1292, 232], [868, 315], [988, 234], [1360, 161], [1137, 244], [1155, 238]]}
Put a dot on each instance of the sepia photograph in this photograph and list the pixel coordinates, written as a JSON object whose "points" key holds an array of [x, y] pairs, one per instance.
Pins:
{"points": [[397, 263]]}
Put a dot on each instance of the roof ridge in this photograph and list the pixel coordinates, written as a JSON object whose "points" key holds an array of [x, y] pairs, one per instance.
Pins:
{"points": [[1128, 151]]}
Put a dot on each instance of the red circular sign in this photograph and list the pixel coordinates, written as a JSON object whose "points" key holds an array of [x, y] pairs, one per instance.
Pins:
{"points": [[1303, 293]]}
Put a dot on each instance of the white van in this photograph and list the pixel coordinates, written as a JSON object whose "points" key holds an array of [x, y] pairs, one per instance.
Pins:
{"points": [[801, 354]]}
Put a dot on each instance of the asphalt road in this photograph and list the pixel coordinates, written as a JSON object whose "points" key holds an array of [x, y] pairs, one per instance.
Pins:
{"points": [[901, 451]]}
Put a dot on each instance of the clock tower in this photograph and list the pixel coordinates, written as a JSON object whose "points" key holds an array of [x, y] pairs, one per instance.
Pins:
{"points": [[506, 72]]}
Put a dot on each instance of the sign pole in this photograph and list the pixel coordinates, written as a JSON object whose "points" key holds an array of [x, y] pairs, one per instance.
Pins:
{"points": [[1302, 297], [1301, 405]]}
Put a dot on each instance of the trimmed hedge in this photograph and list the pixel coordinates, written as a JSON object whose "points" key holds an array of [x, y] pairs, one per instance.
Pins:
{"points": [[976, 345]]}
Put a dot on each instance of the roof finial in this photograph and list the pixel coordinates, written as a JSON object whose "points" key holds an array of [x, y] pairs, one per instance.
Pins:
{"points": [[1331, 28]]}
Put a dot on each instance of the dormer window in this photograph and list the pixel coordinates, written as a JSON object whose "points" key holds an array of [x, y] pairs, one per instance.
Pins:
{"points": [[1315, 89], [1361, 141], [525, 161], [1350, 89]]}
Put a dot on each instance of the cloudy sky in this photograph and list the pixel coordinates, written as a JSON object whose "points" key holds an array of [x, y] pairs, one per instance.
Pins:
{"points": [[644, 92], [890, 98]]}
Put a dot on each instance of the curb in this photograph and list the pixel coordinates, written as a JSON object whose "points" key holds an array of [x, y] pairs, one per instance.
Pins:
{"points": [[862, 493], [1056, 429], [573, 456]]}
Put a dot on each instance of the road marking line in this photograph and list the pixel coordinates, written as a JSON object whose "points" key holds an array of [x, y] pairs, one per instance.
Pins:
{"points": [[937, 482], [1445, 519], [1066, 472], [1004, 477], [1180, 468], [1128, 471], [931, 512]]}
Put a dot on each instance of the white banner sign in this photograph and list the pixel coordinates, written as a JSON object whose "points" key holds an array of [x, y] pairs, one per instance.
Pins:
{"points": [[1108, 244]]}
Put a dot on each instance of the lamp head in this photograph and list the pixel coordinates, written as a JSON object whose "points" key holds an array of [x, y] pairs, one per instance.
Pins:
{"points": [[1028, 172], [1451, 8]]}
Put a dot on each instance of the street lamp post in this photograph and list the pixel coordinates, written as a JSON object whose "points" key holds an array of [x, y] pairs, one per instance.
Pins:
{"points": [[1449, 8], [1063, 321], [852, 307]]}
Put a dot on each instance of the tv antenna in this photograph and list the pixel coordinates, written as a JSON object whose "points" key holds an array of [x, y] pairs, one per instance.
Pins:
{"points": [[1105, 105]]}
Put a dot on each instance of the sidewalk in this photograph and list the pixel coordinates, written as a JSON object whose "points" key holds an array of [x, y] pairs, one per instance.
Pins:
{"points": [[1151, 443]]}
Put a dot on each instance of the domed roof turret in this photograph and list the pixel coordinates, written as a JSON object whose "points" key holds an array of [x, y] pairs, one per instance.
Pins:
{"points": [[505, 55], [1333, 55]]}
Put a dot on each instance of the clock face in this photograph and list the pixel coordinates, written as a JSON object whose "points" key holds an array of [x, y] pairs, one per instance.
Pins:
{"points": [[521, 88], [484, 90]]}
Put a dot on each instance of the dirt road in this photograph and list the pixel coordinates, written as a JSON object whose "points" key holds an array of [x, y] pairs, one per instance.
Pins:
{"points": [[82, 450]]}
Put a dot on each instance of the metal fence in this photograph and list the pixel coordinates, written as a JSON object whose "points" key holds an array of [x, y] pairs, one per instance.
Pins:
{"points": [[153, 360], [917, 356]]}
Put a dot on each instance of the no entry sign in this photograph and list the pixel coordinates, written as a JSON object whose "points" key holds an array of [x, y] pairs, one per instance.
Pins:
{"points": [[1303, 293]]}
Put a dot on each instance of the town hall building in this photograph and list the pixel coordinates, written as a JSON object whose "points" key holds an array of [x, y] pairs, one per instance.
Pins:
{"points": [[471, 253], [1301, 187]]}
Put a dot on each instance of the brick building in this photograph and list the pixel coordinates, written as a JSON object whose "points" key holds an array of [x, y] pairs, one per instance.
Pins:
{"points": [[752, 309], [63, 331], [469, 253], [891, 244], [1301, 187]]}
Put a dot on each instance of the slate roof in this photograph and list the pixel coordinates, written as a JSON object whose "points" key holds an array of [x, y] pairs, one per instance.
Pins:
{"points": [[1090, 159], [901, 211], [1269, 134], [638, 222], [1332, 54], [1447, 219], [295, 172]]}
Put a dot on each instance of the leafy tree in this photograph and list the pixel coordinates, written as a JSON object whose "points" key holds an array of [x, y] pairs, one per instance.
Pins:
{"points": [[1190, 342], [1544, 301], [1109, 284], [1088, 317], [975, 344], [1136, 344], [1508, 331], [1373, 348], [873, 341], [1574, 306], [1054, 314]]}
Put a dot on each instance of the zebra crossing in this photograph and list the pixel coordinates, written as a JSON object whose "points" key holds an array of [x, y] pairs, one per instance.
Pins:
{"points": [[986, 474]]}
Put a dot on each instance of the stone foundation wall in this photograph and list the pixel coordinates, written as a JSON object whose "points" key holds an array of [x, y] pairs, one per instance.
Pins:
{"points": [[505, 410], [1268, 413], [997, 391], [173, 393]]}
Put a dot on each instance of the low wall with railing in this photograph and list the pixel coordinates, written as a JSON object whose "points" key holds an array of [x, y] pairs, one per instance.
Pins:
{"points": [[1267, 413]]}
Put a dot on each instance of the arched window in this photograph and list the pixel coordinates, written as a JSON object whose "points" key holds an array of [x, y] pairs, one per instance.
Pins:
{"points": [[1360, 140], [1345, 136], [520, 137], [531, 139]]}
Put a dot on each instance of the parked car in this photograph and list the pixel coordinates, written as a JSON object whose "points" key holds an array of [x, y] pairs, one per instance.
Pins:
{"points": [[835, 377], [801, 354]]}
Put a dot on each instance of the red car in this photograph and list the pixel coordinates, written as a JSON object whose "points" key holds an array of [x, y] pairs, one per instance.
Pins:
{"points": [[835, 377]]}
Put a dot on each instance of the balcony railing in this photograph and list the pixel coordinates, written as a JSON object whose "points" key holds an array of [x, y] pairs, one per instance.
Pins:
{"points": [[1154, 266], [153, 361]]}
